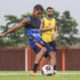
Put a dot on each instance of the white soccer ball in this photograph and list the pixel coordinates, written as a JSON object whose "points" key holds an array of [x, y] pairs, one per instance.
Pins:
{"points": [[47, 70]]}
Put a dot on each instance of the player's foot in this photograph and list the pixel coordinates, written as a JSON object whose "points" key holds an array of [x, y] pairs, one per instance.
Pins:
{"points": [[32, 73], [54, 74]]}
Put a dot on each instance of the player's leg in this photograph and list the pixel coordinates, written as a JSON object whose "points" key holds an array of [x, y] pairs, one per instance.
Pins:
{"points": [[40, 51], [45, 59], [53, 44], [51, 58], [52, 61], [38, 59], [50, 54], [40, 55], [51, 49]]}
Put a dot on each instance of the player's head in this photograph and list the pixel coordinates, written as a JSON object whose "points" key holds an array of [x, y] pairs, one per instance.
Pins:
{"points": [[49, 11], [38, 10]]}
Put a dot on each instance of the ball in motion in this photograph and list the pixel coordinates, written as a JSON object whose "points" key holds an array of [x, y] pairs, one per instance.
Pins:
{"points": [[47, 70]]}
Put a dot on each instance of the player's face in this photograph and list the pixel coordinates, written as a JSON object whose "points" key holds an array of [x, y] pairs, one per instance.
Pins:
{"points": [[50, 12], [38, 13]]}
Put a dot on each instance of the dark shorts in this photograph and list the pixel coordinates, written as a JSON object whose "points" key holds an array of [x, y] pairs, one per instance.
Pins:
{"points": [[53, 45], [37, 43]]}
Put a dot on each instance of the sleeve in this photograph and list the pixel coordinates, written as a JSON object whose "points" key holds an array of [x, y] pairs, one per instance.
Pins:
{"points": [[28, 17], [40, 20]]}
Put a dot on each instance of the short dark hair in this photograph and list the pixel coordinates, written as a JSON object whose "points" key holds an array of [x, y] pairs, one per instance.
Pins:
{"points": [[38, 6], [49, 8]]}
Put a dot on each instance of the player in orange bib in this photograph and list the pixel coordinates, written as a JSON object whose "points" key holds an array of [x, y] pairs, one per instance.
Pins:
{"points": [[48, 29]]}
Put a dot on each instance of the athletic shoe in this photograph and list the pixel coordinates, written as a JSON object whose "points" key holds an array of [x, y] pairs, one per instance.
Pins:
{"points": [[32, 73]]}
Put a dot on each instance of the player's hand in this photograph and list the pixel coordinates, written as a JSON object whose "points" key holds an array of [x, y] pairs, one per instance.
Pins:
{"points": [[51, 27], [54, 37], [2, 35]]}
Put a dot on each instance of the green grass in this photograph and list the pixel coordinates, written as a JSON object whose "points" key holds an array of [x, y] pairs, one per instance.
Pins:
{"points": [[22, 75]]}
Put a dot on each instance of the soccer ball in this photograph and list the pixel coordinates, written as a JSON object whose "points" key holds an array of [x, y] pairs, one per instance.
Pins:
{"points": [[47, 70]]}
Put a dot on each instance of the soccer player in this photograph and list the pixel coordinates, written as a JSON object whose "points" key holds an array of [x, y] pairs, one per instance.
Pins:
{"points": [[32, 24], [49, 29]]}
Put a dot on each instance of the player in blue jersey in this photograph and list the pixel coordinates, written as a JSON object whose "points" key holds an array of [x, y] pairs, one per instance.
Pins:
{"points": [[32, 24]]}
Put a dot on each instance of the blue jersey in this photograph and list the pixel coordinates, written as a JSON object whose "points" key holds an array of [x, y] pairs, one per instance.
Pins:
{"points": [[32, 30], [34, 37]]}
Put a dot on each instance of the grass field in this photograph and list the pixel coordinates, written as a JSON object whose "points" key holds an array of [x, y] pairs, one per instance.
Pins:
{"points": [[22, 75]]}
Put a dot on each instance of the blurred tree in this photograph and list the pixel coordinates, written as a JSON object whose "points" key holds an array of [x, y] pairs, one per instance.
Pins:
{"points": [[14, 39], [67, 27]]}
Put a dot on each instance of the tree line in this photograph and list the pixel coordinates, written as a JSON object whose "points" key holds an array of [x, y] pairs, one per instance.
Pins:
{"points": [[66, 24]]}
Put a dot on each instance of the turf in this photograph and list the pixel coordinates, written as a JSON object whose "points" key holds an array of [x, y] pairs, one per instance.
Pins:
{"points": [[22, 75]]}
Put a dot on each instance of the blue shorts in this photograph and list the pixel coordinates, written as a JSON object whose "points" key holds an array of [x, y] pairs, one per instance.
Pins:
{"points": [[37, 43], [53, 45]]}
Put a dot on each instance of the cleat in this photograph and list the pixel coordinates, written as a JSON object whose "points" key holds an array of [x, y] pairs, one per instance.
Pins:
{"points": [[54, 74], [32, 73]]}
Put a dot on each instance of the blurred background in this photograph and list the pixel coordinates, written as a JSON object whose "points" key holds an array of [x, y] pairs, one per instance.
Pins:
{"points": [[15, 53], [66, 13]]}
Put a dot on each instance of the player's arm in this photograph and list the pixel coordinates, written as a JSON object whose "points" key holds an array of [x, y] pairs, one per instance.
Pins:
{"points": [[55, 30], [55, 33], [42, 29], [14, 29]]}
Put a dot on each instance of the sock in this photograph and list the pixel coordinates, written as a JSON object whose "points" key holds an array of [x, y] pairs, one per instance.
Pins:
{"points": [[54, 67], [35, 67]]}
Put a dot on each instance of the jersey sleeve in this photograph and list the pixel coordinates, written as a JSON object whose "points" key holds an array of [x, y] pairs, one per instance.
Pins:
{"points": [[28, 17]]}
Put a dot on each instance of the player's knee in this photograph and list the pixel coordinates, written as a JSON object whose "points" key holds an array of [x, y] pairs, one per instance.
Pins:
{"points": [[51, 54], [44, 49]]}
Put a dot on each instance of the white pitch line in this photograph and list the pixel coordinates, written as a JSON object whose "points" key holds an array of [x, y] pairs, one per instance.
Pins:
{"points": [[11, 73], [28, 73], [68, 73], [62, 73]]}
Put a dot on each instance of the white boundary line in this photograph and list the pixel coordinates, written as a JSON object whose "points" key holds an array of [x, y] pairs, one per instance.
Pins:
{"points": [[5, 74], [28, 73]]}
